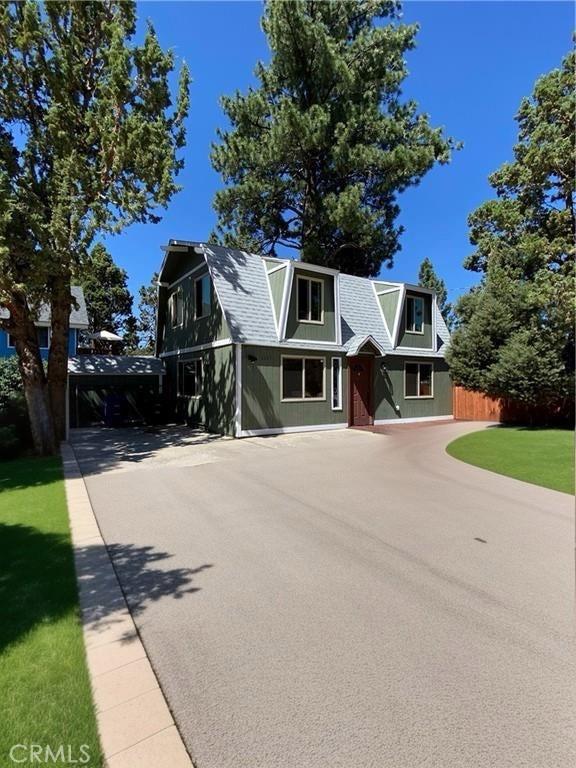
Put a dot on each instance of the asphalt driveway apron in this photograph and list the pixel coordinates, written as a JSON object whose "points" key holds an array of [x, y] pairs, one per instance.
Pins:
{"points": [[343, 598]]}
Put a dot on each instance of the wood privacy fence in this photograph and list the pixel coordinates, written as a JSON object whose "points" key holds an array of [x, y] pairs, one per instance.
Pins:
{"points": [[475, 406]]}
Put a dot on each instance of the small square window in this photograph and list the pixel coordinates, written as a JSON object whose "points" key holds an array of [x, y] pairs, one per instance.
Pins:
{"points": [[176, 308], [190, 375], [418, 380]]}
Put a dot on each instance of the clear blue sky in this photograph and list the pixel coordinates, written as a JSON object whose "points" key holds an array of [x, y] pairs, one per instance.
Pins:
{"points": [[473, 64]]}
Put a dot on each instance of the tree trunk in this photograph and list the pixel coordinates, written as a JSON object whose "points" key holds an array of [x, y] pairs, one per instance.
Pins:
{"points": [[60, 306], [21, 326]]}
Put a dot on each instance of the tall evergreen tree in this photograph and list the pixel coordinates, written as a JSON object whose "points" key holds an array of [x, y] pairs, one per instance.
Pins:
{"points": [[428, 278], [147, 308], [317, 154], [516, 330], [105, 286], [89, 142]]}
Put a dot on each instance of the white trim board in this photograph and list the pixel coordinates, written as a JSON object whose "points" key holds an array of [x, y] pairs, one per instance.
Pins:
{"points": [[198, 348], [290, 430], [413, 419], [238, 393]]}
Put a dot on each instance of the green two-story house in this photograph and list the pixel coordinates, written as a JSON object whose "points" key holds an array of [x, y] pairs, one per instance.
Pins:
{"points": [[255, 345]]}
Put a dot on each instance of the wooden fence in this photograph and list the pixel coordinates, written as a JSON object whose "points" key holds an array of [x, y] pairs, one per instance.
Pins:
{"points": [[475, 406]]}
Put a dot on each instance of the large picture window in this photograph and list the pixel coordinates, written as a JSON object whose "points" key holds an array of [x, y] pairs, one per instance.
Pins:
{"points": [[418, 380], [310, 300], [415, 314], [303, 378], [190, 378], [336, 384], [202, 303]]}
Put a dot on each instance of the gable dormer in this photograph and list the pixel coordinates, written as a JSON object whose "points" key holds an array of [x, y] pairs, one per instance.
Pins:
{"points": [[311, 309], [416, 321]]}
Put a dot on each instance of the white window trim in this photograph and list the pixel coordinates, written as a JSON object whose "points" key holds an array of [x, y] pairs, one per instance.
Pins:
{"points": [[408, 330], [174, 315], [338, 407], [197, 280], [179, 374], [419, 397], [310, 280], [302, 399]]}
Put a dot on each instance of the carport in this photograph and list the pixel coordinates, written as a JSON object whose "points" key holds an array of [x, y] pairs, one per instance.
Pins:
{"points": [[113, 389]]}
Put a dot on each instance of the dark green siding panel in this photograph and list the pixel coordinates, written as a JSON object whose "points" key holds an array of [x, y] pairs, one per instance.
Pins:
{"points": [[215, 408], [277, 280], [389, 304], [389, 390], [261, 404], [192, 332], [312, 331], [415, 340]]}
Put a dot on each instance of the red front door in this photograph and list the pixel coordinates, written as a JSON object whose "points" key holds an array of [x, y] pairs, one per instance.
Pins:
{"points": [[360, 373]]}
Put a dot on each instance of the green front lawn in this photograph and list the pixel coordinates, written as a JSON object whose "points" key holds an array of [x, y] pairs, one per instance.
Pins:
{"points": [[44, 681], [540, 456]]}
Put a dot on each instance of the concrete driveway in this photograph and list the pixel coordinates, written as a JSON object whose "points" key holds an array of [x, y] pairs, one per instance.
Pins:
{"points": [[343, 598]]}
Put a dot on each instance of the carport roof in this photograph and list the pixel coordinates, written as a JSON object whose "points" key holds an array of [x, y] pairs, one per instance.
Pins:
{"points": [[115, 365]]}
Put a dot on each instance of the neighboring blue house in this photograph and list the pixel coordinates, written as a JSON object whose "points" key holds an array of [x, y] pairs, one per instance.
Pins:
{"points": [[78, 322]]}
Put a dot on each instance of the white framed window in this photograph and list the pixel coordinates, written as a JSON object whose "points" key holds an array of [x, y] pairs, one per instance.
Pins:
{"points": [[310, 300], [176, 308], [418, 380], [202, 298], [336, 383], [415, 314], [43, 333], [190, 376], [302, 378]]}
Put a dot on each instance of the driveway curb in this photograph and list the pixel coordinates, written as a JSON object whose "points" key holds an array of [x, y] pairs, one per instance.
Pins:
{"points": [[136, 727]]}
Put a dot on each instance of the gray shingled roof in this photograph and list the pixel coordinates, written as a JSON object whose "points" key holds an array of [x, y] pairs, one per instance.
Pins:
{"points": [[108, 365], [241, 284], [78, 317]]}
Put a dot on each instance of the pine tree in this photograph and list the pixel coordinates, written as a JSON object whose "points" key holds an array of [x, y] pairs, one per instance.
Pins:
{"points": [[516, 330], [428, 278], [89, 143], [147, 308], [318, 152], [105, 286]]}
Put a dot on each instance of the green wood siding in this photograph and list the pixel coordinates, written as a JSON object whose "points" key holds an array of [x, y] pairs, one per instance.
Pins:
{"points": [[192, 332], [389, 390], [262, 407], [215, 407], [277, 280], [415, 340], [389, 304], [312, 331]]}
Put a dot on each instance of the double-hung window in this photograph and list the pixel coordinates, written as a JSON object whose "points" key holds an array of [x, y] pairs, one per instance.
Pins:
{"points": [[418, 380], [336, 384], [176, 308], [190, 378], [415, 314], [202, 302], [310, 300], [303, 378]]}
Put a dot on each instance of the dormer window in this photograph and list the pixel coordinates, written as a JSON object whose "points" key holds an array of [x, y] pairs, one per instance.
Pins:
{"points": [[415, 314], [310, 299]]}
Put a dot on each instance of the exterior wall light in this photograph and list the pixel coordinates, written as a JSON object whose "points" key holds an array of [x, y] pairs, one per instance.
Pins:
{"points": [[252, 359]]}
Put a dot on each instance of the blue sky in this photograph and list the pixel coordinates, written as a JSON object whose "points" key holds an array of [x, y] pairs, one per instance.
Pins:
{"points": [[473, 64]]}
